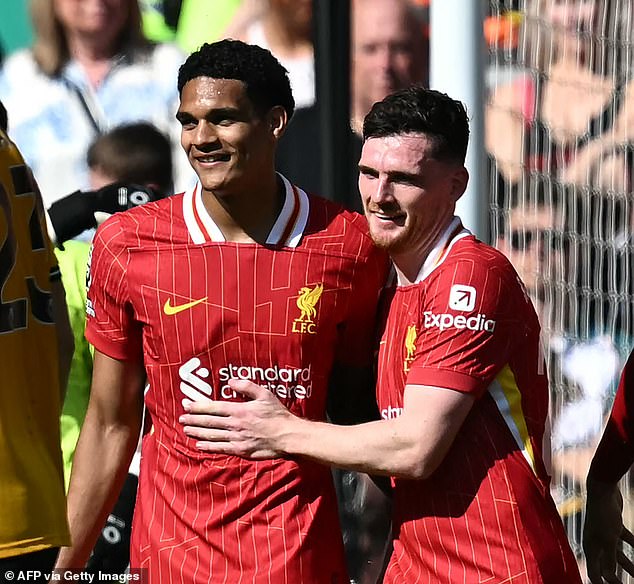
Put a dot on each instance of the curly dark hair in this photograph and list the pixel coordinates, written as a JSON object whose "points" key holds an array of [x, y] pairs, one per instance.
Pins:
{"points": [[266, 81], [425, 111]]}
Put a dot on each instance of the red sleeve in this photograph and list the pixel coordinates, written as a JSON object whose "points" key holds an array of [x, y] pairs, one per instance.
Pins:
{"points": [[110, 323], [356, 341], [466, 326], [615, 453]]}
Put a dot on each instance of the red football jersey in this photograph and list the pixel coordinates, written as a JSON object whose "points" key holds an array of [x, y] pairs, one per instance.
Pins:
{"points": [[485, 515], [204, 311]]}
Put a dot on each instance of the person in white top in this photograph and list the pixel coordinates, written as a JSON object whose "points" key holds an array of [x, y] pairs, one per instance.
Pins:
{"points": [[89, 69]]}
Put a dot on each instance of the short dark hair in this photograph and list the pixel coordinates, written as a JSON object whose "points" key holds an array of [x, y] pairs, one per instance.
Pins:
{"points": [[266, 81], [417, 110], [136, 153]]}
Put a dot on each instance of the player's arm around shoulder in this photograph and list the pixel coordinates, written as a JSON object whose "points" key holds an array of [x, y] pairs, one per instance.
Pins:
{"points": [[438, 395]]}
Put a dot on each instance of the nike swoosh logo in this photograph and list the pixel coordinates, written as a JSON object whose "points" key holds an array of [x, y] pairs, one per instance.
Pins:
{"points": [[169, 309]]}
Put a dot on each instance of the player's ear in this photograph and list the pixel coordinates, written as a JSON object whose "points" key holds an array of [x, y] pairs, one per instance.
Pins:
{"points": [[459, 181], [278, 120]]}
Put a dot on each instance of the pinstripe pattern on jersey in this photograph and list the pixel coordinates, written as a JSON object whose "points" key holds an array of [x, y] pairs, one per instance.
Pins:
{"points": [[202, 518], [484, 515]]}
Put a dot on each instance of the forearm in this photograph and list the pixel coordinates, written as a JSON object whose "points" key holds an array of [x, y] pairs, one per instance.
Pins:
{"points": [[411, 445], [384, 447], [103, 454]]}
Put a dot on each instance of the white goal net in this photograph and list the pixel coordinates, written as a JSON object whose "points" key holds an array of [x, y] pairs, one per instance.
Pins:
{"points": [[560, 140]]}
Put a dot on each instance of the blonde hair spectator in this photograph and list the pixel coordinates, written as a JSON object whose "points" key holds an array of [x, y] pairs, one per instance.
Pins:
{"points": [[50, 45], [89, 69]]}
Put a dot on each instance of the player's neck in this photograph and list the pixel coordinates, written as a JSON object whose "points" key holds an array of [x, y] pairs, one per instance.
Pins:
{"points": [[247, 217], [407, 268], [409, 262], [423, 255]]}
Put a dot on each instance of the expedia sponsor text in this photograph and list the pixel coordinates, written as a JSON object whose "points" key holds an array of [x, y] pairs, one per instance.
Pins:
{"points": [[478, 322]]}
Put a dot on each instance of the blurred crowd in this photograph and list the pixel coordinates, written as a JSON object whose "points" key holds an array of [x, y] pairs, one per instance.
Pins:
{"points": [[559, 139]]}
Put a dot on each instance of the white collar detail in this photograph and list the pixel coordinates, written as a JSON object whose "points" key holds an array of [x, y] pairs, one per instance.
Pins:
{"points": [[287, 230], [440, 250]]}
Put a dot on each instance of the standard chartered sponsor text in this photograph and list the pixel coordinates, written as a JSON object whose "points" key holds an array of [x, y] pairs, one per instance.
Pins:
{"points": [[284, 382]]}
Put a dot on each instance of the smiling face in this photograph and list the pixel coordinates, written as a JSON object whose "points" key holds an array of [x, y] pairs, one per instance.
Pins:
{"points": [[229, 145], [408, 196]]}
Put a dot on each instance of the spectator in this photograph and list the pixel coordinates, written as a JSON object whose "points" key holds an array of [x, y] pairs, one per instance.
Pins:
{"points": [[389, 52], [531, 236], [88, 70], [36, 346], [566, 113], [285, 28], [136, 154]]}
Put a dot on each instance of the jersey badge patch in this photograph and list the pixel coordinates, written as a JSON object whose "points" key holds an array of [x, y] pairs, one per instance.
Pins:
{"points": [[307, 302], [410, 347]]}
